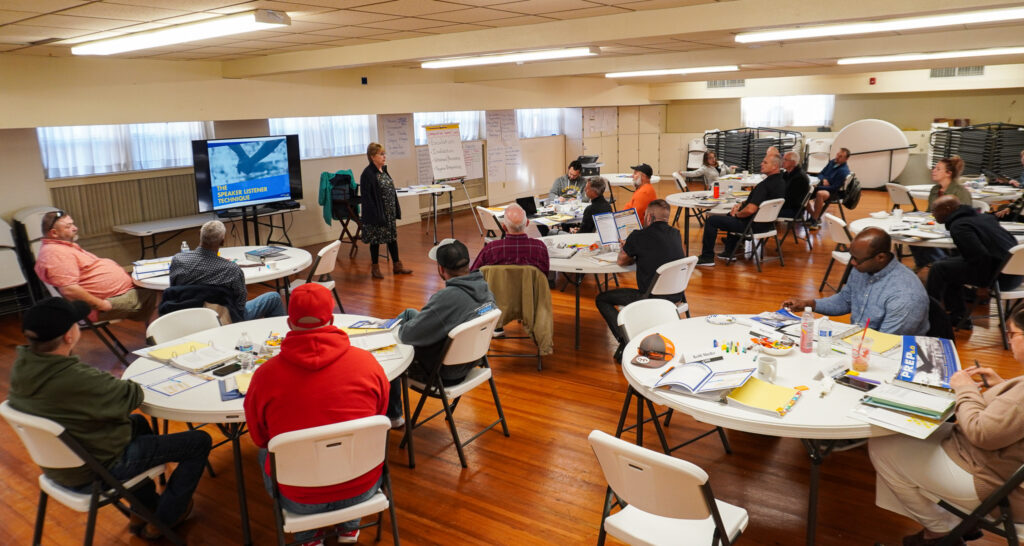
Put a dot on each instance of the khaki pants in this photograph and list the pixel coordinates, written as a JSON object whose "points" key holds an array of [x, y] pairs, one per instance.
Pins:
{"points": [[135, 304]]}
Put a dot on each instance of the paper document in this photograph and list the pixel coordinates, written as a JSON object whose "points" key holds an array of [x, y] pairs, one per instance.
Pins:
{"points": [[374, 341], [613, 227], [165, 354], [202, 359]]}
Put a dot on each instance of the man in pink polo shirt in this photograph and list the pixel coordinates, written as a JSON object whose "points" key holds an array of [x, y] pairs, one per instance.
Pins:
{"points": [[81, 275]]}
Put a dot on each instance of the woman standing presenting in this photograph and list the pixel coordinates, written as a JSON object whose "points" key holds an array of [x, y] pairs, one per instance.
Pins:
{"points": [[380, 210]]}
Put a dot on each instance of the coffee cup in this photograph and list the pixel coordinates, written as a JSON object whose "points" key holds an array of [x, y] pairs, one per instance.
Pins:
{"points": [[767, 367]]}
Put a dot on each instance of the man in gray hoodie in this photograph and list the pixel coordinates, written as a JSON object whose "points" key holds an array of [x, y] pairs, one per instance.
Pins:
{"points": [[465, 296]]}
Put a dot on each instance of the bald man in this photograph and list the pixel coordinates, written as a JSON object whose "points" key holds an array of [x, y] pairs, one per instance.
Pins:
{"points": [[516, 248], [880, 288], [984, 246]]}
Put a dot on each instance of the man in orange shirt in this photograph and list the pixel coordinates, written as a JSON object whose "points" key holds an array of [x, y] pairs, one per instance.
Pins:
{"points": [[644, 193], [83, 276]]}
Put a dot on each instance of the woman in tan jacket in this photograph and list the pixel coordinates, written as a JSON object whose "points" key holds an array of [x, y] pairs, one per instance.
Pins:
{"points": [[960, 463]]}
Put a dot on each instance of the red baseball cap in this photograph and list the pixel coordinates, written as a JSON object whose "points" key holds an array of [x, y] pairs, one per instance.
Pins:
{"points": [[310, 306]]}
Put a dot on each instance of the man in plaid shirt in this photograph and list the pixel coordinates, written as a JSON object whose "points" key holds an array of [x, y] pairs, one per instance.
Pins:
{"points": [[516, 248]]}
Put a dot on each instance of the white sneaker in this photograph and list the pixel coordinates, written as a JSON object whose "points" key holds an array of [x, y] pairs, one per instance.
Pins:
{"points": [[348, 537], [398, 422], [498, 332]]}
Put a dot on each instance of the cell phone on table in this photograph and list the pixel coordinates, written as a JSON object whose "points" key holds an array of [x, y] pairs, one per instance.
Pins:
{"points": [[226, 370], [854, 382]]}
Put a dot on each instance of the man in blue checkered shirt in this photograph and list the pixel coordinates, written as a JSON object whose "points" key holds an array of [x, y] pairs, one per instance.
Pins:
{"points": [[204, 267]]}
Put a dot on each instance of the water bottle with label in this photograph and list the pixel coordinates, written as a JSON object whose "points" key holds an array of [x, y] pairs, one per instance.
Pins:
{"points": [[184, 246], [824, 337], [807, 331], [244, 343]]}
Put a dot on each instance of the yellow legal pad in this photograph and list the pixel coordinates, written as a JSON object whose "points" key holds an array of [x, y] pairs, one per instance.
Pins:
{"points": [[165, 354], [243, 380], [881, 342], [764, 397]]}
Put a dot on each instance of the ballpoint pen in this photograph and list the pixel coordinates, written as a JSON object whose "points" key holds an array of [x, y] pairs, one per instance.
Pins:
{"points": [[984, 380]]}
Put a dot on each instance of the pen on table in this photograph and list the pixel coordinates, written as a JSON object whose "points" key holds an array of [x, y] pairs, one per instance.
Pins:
{"points": [[664, 373], [838, 351], [984, 381]]}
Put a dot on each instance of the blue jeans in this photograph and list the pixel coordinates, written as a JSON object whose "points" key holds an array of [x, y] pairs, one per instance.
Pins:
{"points": [[189, 449], [264, 305], [299, 508]]}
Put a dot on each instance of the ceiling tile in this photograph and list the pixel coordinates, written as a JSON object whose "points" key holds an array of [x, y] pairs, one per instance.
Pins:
{"points": [[473, 15], [297, 38], [448, 29], [8, 47], [24, 34], [258, 44], [624, 50], [349, 17], [189, 5], [189, 18], [595, 11], [348, 32], [406, 23], [351, 41], [411, 8], [40, 6], [299, 47], [342, 4], [226, 50], [307, 25], [121, 11], [516, 21], [400, 35], [83, 23], [46, 51], [661, 4], [8, 16], [295, 10], [535, 7], [479, 3]]}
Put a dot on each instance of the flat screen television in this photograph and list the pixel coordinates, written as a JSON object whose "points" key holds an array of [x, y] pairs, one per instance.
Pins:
{"points": [[240, 172]]}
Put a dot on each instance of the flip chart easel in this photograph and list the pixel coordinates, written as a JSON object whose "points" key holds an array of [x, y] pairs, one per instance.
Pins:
{"points": [[448, 162]]}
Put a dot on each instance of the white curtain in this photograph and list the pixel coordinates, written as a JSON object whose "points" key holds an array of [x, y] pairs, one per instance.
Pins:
{"points": [[328, 136], [471, 123], [791, 111], [97, 149], [538, 122]]}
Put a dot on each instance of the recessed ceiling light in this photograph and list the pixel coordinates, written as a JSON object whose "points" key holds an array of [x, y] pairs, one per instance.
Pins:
{"points": [[202, 30], [525, 56], [889, 25], [672, 71]]}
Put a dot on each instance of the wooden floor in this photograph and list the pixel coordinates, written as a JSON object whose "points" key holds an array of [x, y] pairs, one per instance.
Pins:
{"points": [[542, 485]]}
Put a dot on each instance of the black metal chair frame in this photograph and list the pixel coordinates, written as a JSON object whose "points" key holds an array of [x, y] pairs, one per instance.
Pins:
{"points": [[1003, 525], [801, 217]]}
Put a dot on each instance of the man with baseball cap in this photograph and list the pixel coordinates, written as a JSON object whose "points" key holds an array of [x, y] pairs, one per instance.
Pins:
{"points": [[95, 408], [465, 296], [644, 193], [317, 379]]}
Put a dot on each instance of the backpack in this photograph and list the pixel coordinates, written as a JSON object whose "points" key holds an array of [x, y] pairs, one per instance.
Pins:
{"points": [[852, 197]]}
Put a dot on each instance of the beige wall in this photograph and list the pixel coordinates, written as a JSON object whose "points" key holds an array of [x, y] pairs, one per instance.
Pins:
{"points": [[21, 175]]}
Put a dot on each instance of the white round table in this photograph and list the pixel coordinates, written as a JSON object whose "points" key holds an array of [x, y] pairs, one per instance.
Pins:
{"points": [[700, 202], [581, 264], [434, 190], [887, 224], [817, 421], [297, 260], [988, 194], [203, 404], [625, 180]]}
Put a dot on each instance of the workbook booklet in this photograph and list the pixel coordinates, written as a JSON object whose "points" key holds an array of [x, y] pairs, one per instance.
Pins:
{"points": [[702, 376], [927, 363]]}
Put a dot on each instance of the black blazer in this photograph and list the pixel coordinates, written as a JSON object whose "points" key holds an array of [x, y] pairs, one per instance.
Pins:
{"points": [[372, 199]]}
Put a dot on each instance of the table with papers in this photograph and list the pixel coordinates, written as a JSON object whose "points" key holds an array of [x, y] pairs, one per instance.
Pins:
{"points": [[818, 421], [155, 273], [433, 190], [697, 201], [579, 261], [174, 394]]}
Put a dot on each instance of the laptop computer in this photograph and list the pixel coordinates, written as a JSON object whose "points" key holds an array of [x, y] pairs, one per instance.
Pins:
{"points": [[529, 205]]}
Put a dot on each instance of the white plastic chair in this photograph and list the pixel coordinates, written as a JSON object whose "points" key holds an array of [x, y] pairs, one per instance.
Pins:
{"points": [[492, 225], [467, 342], [668, 500], [900, 195], [981, 206], [50, 446], [180, 324], [839, 234], [329, 455], [767, 213], [644, 314], [320, 272], [818, 154], [695, 154], [673, 278], [1013, 266]]}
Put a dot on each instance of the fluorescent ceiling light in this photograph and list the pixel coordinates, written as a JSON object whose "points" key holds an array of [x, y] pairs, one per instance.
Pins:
{"points": [[542, 55], [672, 71], [933, 56], [890, 25], [202, 30]]}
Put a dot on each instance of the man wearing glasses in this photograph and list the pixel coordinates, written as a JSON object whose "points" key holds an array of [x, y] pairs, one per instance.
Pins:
{"points": [[879, 288], [83, 276]]}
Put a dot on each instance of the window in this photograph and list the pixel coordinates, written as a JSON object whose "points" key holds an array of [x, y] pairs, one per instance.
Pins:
{"points": [[538, 122], [791, 111], [470, 123], [98, 149], [328, 136]]}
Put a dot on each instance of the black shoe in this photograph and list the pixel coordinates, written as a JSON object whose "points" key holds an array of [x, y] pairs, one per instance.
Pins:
{"points": [[964, 324], [618, 354], [726, 255], [704, 261]]}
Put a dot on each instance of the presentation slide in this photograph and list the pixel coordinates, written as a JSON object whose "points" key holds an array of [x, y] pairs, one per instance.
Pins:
{"points": [[248, 172]]}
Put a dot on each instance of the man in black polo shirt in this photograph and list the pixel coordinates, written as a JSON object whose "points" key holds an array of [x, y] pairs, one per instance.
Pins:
{"points": [[797, 185], [649, 248], [772, 187], [598, 204]]}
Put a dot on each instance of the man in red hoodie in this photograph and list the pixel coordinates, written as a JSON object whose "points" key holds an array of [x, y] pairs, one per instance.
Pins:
{"points": [[317, 379]]}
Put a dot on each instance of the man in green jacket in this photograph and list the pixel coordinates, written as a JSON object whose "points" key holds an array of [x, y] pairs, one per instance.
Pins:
{"points": [[95, 408]]}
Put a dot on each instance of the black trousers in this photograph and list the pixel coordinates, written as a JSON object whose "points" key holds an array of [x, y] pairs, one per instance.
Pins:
{"points": [[946, 281], [375, 252], [721, 222]]}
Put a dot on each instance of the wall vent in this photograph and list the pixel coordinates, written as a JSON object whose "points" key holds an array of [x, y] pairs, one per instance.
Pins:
{"points": [[959, 71], [718, 84]]}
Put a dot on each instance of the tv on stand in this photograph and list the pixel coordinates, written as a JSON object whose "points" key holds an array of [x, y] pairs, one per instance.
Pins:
{"points": [[246, 172]]}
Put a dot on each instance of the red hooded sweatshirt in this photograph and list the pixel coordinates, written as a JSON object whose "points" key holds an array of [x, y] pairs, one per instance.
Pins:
{"points": [[317, 379]]}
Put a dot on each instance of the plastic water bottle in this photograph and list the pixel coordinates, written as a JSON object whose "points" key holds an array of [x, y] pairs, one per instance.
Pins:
{"points": [[244, 343], [715, 191], [807, 331], [824, 338], [184, 246]]}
